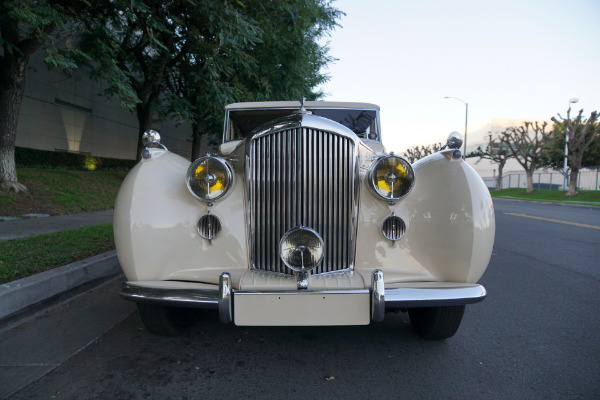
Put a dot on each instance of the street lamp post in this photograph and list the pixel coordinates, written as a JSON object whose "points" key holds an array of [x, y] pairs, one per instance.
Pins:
{"points": [[571, 101], [466, 120]]}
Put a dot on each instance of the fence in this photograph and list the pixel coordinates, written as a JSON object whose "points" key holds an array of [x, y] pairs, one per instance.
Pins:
{"points": [[589, 179]]}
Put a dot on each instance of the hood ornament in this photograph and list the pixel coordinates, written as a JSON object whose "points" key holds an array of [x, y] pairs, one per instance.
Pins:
{"points": [[302, 110]]}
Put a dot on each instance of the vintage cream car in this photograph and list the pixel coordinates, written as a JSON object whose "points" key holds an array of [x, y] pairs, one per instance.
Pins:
{"points": [[303, 219]]}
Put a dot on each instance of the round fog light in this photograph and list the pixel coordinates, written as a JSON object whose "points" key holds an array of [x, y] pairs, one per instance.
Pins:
{"points": [[301, 249]]}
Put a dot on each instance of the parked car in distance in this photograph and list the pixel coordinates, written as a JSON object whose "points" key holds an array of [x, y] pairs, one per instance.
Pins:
{"points": [[303, 218]]}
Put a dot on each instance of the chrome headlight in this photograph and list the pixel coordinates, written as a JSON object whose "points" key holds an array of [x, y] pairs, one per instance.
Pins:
{"points": [[391, 177], [301, 249], [209, 178]]}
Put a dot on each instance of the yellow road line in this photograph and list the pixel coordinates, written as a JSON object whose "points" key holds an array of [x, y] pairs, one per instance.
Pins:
{"points": [[554, 220]]}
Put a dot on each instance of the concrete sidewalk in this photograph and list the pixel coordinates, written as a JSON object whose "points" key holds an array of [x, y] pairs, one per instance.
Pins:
{"points": [[34, 226]]}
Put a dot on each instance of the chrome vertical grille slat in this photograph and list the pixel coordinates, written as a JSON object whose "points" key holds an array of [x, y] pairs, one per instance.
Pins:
{"points": [[302, 176]]}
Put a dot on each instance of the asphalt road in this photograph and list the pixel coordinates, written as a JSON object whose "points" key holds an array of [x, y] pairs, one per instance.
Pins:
{"points": [[536, 336]]}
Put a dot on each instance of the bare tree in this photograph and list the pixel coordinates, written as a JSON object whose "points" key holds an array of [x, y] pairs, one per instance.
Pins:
{"points": [[529, 149], [498, 151], [417, 152], [580, 134]]}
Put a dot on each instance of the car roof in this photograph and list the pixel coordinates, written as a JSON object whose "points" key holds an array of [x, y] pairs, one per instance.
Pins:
{"points": [[296, 104]]}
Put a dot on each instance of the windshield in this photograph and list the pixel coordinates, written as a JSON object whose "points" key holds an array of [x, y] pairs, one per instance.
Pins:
{"points": [[241, 123]]}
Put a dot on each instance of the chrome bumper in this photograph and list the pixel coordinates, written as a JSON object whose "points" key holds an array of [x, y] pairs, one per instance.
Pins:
{"points": [[381, 298]]}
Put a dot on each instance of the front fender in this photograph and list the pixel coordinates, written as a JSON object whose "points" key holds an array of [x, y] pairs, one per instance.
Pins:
{"points": [[155, 225], [450, 226]]}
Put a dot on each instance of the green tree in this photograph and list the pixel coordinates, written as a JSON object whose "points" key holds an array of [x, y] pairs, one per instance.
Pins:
{"points": [[132, 45], [188, 58], [290, 57], [26, 26], [200, 85], [280, 60], [581, 133], [556, 155]]}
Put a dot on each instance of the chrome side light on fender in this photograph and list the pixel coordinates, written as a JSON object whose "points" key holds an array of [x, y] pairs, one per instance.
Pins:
{"points": [[391, 177], [151, 138], [393, 228], [209, 227], [454, 141], [209, 178], [301, 249]]}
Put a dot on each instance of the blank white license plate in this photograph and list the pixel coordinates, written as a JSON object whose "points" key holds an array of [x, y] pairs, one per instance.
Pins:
{"points": [[301, 308]]}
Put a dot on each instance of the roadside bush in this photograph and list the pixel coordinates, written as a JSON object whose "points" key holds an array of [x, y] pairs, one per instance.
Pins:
{"points": [[32, 158]]}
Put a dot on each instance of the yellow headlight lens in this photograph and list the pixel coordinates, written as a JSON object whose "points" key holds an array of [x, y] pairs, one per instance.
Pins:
{"points": [[391, 177], [209, 178]]}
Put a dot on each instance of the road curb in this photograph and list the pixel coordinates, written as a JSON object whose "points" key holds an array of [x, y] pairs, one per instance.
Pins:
{"points": [[587, 206], [20, 294]]}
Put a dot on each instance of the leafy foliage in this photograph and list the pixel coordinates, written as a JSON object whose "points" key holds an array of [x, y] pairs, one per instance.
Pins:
{"points": [[556, 154], [188, 58], [581, 132], [200, 85], [289, 56], [25, 26]]}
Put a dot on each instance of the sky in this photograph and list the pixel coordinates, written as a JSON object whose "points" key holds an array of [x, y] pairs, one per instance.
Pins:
{"points": [[514, 59]]}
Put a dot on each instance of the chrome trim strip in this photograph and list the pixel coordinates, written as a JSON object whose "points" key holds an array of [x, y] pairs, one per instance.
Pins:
{"points": [[434, 297], [377, 296], [221, 299], [300, 292], [197, 298], [225, 306]]}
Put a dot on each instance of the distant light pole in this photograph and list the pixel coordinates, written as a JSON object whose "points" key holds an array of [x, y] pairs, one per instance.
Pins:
{"points": [[571, 101], [466, 120]]}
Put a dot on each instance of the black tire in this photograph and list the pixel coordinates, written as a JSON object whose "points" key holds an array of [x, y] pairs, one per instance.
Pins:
{"points": [[436, 322], [166, 321]]}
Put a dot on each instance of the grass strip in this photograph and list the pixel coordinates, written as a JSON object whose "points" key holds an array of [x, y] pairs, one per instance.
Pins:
{"points": [[61, 191], [584, 197], [20, 258]]}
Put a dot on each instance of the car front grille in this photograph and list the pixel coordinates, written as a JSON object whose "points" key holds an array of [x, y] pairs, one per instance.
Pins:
{"points": [[307, 177]]}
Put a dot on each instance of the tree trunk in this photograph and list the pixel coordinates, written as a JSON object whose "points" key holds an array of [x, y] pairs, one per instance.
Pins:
{"points": [[573, 182], [499, 178], [12, 88], [196, 142], [144, 116], [529, 181]]}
